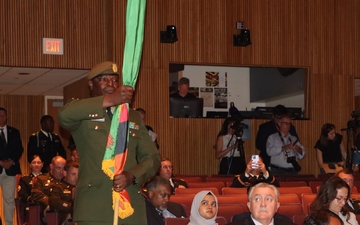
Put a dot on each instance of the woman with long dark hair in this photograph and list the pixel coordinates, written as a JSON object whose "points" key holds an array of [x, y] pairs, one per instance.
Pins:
{"points": [[330, 148], [227, 151], [332, 196]]}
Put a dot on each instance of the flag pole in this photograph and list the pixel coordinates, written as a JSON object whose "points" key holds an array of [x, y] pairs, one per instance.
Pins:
{"points": [[116, 211]]}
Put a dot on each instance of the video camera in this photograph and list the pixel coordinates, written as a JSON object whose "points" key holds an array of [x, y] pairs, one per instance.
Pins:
{"points": [[238, 128], [355, 123]]}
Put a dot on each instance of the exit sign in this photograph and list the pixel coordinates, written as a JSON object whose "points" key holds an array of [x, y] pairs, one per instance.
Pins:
{"points": [[53, 46]]}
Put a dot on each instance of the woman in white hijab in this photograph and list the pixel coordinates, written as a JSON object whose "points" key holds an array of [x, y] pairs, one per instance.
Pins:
{"points": [[204, 209]]}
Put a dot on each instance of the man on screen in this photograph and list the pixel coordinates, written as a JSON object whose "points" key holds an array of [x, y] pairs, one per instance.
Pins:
{"points": [[183, 90]]}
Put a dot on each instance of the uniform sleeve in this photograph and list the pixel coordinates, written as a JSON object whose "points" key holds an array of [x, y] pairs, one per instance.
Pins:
{"points": [[24, 193], [61, 149], [37, 192], [71, 115], [56, 202], [147, 156]]}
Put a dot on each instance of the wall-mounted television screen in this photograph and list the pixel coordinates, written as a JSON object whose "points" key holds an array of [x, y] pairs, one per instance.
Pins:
{"points": [[186, 108]]}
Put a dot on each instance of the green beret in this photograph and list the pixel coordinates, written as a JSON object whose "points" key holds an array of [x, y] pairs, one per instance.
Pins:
{"points": [[104, 68]]}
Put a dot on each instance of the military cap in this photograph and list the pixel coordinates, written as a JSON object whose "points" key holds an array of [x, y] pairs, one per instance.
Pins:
{"points": [[103, 68]]}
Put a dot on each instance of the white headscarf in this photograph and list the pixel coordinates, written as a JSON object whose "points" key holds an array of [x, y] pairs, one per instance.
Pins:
{"points": [[195, 217]]}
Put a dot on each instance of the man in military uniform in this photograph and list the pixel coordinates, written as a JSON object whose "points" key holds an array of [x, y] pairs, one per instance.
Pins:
{"points": [[166, 171], [89, 123], [43, 184], [61, 196], [45, 143]]}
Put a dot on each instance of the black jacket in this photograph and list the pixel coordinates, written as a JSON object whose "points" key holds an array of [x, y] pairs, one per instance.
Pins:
{"points": [[41, 145], [245, 219], [13, 149], [153, 217]]}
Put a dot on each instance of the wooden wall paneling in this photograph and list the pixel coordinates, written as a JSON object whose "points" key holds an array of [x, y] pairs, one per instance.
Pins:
{"points": [[321, 38], [21, 113], [346, 23], [79, 23]]}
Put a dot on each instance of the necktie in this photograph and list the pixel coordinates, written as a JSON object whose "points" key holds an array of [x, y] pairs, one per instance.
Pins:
{"points": [[2, 135], [108, 111], [49, 136]]}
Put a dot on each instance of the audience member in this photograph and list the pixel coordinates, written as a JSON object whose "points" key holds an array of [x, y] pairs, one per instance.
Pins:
{"points": [[152, 134], [255, 172], [158, 205], [89, 122], [183, 89], [26, 182], [353, 204], [74, 155], [45, 143], [333, 195], [268, 128], [166, 171], [284, 149], [330, 148], [263, 204], [227, 151], [10, 151], [62, 196], [323, 217], [44, 183], [204, 209]]}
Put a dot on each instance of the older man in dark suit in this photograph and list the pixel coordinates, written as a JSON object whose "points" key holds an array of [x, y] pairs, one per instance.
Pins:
{"points": [[263, 205], [158, 205], [10, 151], [89, 122]]}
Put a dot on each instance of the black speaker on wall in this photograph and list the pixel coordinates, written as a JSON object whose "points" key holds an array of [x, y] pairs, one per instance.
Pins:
{"points": [[242, 39], [168, 36]]}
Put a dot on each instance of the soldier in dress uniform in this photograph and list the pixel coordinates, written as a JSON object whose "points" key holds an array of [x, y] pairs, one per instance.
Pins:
{"points": [[45, 143], [62, 196], [26, 184], [43, 184]]}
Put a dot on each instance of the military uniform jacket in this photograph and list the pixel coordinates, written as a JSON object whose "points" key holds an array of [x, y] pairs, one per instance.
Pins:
{"points": [[46, 148], [24, 189], [61, 197], [42, 186], [13, 149], [89, 125], [177, 183]]}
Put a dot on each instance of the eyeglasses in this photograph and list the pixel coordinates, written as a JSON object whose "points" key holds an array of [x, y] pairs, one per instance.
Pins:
{"points": [[340, 199], [166, 167], [286, 123]]}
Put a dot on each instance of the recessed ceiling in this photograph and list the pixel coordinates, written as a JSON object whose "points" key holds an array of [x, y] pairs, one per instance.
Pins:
{"points": [[37, 81]]}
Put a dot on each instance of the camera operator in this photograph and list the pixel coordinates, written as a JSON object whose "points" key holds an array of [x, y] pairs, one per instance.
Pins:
{"points": [[284, 149], [226, 148]]}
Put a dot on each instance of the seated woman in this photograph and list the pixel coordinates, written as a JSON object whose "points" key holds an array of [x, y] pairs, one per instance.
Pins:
{"points": [[26, 183], [204, 209], [324, 217], [255, 172], [332, 195], [330, 148]]}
